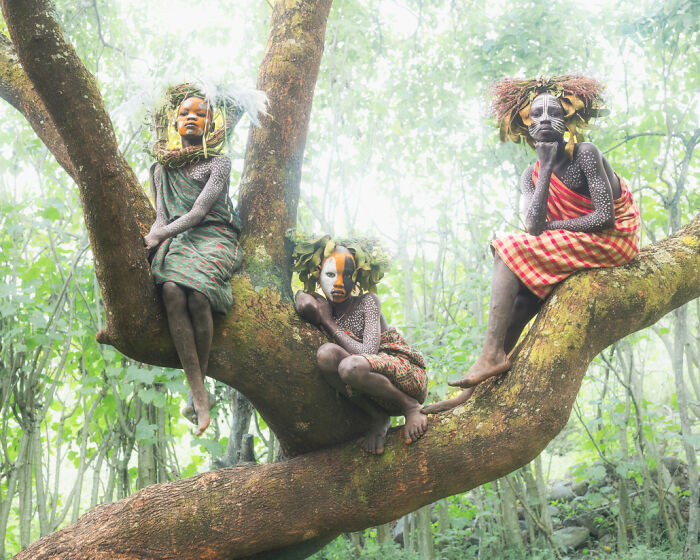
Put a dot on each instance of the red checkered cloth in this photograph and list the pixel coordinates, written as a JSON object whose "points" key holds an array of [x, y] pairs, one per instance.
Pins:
{"points": [[544, 260]]}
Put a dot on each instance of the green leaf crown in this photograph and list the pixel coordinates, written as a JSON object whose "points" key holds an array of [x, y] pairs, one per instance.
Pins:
{"points": [[371, 260]]}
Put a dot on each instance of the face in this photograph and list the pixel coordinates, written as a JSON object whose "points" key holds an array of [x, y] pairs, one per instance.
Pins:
{"points": [[193, 117], [547, 116], [336, 276]]}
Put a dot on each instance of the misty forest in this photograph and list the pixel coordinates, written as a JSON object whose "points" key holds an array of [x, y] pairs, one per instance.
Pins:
{"points": [[378, 127]]}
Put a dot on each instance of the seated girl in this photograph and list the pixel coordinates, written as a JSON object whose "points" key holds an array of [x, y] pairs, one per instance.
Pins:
{"points": [[579, 214], [194, 240], [367, 358]]}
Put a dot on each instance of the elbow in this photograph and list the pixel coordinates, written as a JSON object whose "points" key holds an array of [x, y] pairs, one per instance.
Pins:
{"points": [[533, 228]]}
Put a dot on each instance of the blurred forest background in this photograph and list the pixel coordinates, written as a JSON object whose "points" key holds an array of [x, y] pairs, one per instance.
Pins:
{"points": [[401, 146]]}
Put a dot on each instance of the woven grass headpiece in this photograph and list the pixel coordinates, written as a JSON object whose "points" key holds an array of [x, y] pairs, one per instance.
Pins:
{"points": [[227, 104], [371, 261], [580, 96]]}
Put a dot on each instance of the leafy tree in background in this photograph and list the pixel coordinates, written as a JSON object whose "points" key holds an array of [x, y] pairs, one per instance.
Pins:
{"points": [[263, 350]]}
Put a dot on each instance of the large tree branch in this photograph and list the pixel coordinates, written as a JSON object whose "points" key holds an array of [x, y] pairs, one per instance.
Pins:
{"points": [[116, 209], [242, 512], [17, 90]]}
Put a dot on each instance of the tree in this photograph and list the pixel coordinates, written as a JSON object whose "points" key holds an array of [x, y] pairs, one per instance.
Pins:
{"points": [[262, 349]]}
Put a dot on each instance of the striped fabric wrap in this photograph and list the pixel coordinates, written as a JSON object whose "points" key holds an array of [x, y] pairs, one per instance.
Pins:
{"points": [[544, 260], [204, 257]]}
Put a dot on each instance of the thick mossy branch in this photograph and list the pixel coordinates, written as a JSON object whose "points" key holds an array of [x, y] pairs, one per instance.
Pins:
{"points": [[240, 512], [17, 90], [269, 190], [115, 207]]}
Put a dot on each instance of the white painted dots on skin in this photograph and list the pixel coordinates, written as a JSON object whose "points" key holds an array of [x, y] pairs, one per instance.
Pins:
{"points": [[364, 321], [214, 173]]}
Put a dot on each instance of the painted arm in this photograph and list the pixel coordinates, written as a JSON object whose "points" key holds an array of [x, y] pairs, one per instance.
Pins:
{"points": [[590, 160], [160, 214], [536, 204], [220, 169], [371, 336]]}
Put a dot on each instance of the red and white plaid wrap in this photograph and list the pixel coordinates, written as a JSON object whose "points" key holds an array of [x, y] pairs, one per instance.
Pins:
{"points": [[544, 260]]}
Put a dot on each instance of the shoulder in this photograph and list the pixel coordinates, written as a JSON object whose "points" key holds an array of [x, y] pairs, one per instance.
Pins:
{"points": [[586, 150], [370, 300], [221, 164]]}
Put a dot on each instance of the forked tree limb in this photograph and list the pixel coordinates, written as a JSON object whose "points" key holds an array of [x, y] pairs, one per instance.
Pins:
{"points": [[242, 512]]}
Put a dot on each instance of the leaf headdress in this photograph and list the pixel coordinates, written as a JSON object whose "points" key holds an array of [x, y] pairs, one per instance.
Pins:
{"points": [[228, 105], [580, 96], [371, 261]]}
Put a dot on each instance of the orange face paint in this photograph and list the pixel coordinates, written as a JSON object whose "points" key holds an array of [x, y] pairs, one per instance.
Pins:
{"points": [[193, 117], [336, 276]]}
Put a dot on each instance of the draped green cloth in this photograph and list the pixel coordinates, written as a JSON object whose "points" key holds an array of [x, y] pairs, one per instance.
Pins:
{"points": [[203, 257]]}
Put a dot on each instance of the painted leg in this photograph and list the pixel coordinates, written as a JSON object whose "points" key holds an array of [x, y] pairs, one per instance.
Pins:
{"points": [[493, 359], [329, 358], [355, 371], [182, 334]]}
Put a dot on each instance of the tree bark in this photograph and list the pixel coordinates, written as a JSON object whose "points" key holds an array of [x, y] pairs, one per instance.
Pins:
{"points": [[229, 513]]}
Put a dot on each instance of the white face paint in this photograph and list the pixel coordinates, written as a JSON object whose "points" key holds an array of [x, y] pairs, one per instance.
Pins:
{"points": [[547, 116], [336, 276], [329, 273]]}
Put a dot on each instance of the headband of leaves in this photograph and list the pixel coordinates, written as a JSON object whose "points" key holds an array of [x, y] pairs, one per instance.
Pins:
{"points": [[231, 102], [580, 96], [371, 261]]}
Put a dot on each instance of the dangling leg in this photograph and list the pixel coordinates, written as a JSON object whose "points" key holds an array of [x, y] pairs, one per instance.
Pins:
{"points": [[203, 325], [526, 306], [493, 360], [182, 334], [355, 371]]}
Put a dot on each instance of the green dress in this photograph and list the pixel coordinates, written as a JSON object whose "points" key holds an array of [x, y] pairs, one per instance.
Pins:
{"points": [[203, 257]]}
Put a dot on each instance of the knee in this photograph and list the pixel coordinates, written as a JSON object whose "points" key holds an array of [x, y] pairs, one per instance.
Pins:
{"points": [[327, 357], [352, 369], [173, 295], [197, 303]]}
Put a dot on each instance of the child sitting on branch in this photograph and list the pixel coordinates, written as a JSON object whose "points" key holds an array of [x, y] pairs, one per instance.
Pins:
{"points": [[368, 361], [194, 240], [578, 212]]}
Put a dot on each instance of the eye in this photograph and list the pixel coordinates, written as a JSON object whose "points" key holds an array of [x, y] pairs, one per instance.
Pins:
{"points": [[330, 274]]}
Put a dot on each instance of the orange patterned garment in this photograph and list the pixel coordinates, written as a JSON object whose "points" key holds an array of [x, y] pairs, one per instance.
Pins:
{"points": [[544, 260]]}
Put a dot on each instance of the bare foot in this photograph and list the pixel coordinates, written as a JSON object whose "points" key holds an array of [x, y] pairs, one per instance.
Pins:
{"points": [[202, 404], [376, 436], [482, 370], [415, 425], [448, 404], [202, 423]]}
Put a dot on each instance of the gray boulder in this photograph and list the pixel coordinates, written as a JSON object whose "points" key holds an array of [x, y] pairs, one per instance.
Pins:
{"points": [[570, 537]]}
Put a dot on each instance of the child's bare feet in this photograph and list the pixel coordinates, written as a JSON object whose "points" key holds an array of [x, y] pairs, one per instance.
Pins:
{"points": [[376, 436], [191, 411], [201, 408], [448, 404], [415, 425], [482, 369]]}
